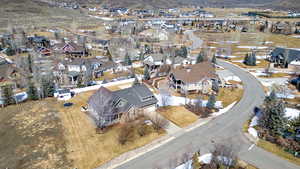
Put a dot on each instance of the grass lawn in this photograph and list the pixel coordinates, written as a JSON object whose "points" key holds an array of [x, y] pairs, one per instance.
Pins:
{"points": [[276, 75], [273, 148], [262, 64], [139, 70], [86, 148], [111, 75], [235, 95], [178, 115]]}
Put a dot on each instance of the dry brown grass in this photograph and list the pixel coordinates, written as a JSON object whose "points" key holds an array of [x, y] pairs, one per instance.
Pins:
{"points": [[32, 136], [235, 95], [262, 64], [276, 75], [178, 115], [86, 148], [111, 75], [273, 148]]}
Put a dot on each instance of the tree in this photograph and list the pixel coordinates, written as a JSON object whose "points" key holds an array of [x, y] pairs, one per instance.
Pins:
{"points": [[200, 57], [32, 92], [214, 59], [127, 59], [273, 115], [8, 95], [56, 35], [48, 87], [146, 73], [215, 86], [196, 164], [250, 59], [29, 62], [211, 102], [298, 85], [158, 122]]}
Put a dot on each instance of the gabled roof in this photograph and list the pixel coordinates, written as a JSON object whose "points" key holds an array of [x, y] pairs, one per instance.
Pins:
{"points": [[194, 73]]}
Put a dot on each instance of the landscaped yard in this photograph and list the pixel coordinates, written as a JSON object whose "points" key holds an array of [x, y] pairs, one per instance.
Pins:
{"points": [[178, 115], [86, 148], [235, 95]]}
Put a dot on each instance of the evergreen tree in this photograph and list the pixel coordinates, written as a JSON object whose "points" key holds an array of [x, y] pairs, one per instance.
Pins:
{"points": [[184, 52], [146, 73], [211, 102], [48, 88], [273, 115], [127, 60], [8, 95], [32, 92], [200, 57], [214, 59], [10, 51], [161, 51], [298, 86], [29, 62], [215, 86]]}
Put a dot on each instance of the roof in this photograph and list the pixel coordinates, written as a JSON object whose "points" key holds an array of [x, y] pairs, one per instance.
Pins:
{"points": [[194, 73], [136, 96], [292, 54]]}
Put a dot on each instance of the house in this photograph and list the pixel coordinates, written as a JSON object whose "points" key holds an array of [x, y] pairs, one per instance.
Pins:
{"points": [[71, 48], [284, 56], [100, 45], [193, 78], [39, 41], [107, 107]]}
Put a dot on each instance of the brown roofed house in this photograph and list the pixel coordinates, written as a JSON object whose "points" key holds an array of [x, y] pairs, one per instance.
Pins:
{"points": [[193, 78]]}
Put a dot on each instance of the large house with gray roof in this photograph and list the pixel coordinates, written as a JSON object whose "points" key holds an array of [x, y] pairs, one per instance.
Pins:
{"points": [[107, 107], [284, 56]]}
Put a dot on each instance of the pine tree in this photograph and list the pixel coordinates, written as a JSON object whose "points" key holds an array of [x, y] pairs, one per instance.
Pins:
{"points": [[298, 86], [146, 73], [29, 62], [273, 118], [200, 57], [48, 88], [215, 86], [183, 52], [127, 60], [211, 102], [214, 59], [8, 96], [32, 92]]}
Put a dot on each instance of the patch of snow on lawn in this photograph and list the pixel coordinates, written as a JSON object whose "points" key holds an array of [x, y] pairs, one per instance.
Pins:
{"points": [[205, 159], [296, 36], [234, 78], [291, 113], [254, 121], [252, 47], [253, 132], [187, 165]]}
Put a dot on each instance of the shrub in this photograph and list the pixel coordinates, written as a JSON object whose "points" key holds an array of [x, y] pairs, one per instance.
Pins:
{"points": [[159, 122], [126, 134], [143, 130]]}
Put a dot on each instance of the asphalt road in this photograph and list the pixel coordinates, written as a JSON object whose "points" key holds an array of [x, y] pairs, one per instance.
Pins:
{"points": [[226, 128]]}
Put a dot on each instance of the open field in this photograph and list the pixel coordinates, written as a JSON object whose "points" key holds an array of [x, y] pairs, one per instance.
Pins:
{"points": [[178, 115], [87, 148], [32, 136]]}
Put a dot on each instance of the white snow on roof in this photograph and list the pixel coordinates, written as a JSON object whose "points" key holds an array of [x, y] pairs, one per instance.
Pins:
{"points": [[291, 113], [295, 62]]}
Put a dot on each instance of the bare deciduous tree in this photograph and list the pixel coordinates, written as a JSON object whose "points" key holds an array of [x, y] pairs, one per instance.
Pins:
{"points": [[158, 122]]}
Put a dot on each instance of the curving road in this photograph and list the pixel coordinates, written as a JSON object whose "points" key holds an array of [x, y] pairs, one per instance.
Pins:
{"points": [[226, 128]]}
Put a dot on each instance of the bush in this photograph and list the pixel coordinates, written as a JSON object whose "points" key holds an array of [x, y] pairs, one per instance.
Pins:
{"points": [[126, 134], [159, 122], [143, 130]]}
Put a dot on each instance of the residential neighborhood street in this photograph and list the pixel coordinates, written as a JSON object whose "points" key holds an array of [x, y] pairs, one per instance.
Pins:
{"points": [[225, 128]]}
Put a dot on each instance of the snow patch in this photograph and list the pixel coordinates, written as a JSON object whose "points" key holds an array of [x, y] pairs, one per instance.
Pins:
{"points": [[291, 113], [252, 131]]}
